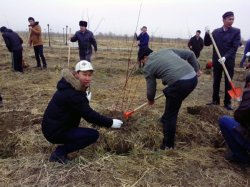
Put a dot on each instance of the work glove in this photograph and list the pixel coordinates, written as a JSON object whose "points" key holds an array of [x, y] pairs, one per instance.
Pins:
{"points": [[116, 124], [88, 94], [248, 54], [222, 60], [207, 29]]}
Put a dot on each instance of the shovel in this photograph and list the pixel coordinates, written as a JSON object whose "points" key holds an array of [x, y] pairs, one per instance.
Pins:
{"points": [[129, 113], [234, 93]]}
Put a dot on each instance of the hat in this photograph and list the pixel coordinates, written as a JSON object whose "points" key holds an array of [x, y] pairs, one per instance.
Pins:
{"points": [[3, 29], [247, 79], [31, 19], [227, 14], [84, 65], [145, 51], [83, 23]]}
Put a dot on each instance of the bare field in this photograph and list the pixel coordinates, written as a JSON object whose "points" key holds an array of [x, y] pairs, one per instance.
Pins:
{"points": [[126, 157]]}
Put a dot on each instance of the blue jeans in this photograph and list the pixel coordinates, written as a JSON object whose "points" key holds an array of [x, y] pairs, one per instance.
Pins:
{"points": [[175, 94], [238, 145], [85, 55], [74, 139]]}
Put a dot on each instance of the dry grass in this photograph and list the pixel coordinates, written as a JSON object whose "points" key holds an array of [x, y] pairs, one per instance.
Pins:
{"points": [[126, 157]]}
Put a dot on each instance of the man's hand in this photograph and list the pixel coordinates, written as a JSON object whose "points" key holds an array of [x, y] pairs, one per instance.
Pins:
{"points": [[199, 73], [207, 29], [248, 54], [151, 102], [222, 60], [116, 124]]}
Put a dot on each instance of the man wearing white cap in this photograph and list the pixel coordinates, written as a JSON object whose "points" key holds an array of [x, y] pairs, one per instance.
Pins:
{"points": [[68, 105]]}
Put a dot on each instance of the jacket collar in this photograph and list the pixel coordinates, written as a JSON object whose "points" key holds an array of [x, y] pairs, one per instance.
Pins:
{"points": [[70, 78]]}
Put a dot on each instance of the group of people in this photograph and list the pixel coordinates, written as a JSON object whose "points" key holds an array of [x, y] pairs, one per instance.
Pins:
{"points": [[179, 71]]}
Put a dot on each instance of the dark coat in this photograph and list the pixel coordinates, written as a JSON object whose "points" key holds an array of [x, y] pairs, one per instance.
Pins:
{"points": [[12, 40], [66, 108], [197, 45], [227, 43], [242, 115], [85, 40], [144, 39]]}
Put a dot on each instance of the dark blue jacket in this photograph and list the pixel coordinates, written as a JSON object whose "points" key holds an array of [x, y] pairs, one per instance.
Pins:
{"points": [[144, 39], [85, 40], [12, 40], [66, 108], [227, 43]]}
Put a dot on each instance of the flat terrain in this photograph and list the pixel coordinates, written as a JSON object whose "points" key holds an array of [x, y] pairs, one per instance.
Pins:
{"points": [[126, 157]]}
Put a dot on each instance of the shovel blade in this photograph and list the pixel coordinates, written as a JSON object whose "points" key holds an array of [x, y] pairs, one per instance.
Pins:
{"points": [[128, 114], [235, 93]]}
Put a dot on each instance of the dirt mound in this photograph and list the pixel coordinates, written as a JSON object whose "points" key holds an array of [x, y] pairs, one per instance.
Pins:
{"points": [[210, 114]]}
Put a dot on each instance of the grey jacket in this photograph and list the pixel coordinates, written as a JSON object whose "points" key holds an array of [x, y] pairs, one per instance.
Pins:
{"points": [[169, 65]]}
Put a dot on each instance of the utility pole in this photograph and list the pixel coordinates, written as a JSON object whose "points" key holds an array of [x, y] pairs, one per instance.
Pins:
{"points": [[45, 34], [66, 35], [48, 34], [63, 35]]}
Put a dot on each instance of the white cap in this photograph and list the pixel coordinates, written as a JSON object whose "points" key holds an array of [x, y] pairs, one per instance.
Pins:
{"points": [[84, 65]]}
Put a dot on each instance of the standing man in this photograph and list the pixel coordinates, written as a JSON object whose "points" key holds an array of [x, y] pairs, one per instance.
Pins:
{"points": [[14, 44], [196, 44], [228, 40], [178, 69], [85, 40], [246, 54], [69, 104], [36, 40], [143, 40]]}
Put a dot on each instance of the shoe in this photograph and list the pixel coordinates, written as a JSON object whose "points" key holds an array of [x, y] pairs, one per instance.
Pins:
{"points": [[213, 103], [228, 107], [44, 67], [62, 159], [164, 147]]}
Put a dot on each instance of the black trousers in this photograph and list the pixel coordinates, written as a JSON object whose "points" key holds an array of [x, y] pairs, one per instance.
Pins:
{"points": [[74, 139], [39, 54], [175, 94], [18, 60], [217, 74]]}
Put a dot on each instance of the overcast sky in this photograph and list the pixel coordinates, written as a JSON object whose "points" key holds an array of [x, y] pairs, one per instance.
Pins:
{"points": [[164, 18]]}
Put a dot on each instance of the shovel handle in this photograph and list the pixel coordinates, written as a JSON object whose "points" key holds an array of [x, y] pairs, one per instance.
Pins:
{"points": [[219, 55], [139, 107]]}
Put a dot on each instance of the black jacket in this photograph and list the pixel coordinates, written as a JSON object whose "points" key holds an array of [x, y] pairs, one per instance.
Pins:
{"points": [[242, 114], [66, 108], [12, 40], [227, 43], [197, 45], [85, 40]]}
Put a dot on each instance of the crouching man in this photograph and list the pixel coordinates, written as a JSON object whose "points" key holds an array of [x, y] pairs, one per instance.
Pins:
{"points": [[236, 131], [69, 104], [178, 69]]}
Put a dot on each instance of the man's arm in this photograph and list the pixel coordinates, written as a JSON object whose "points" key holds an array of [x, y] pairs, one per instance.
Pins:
{"points": [[7, 42], [236, 43], [93, 42], [74, 38], [36, 30]]}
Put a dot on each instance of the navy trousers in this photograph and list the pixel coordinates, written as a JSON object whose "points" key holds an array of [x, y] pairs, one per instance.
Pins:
{"points": [[74, 139], [18, 60], [174, 94]]}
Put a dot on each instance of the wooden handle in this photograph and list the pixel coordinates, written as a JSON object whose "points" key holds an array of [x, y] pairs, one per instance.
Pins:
{"points": [[219, 55], [139, 107]]}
